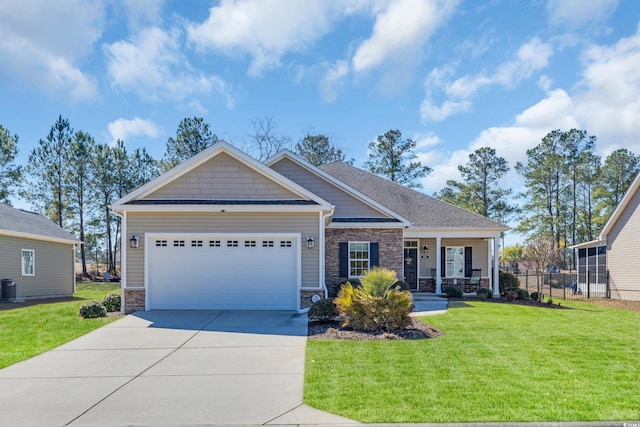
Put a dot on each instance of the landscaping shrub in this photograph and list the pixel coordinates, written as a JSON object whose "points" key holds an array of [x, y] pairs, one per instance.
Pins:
{"points": [[376, 305], [323, 311], [333, 289], [453, 291], [522, 294], [535, 295], [111, 302], [484, 293], [404, 286], [92, 309], [506, 281]]}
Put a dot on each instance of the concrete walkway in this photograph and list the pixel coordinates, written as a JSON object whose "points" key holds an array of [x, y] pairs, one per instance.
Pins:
{"points": [[429, 304], [164, 368]]}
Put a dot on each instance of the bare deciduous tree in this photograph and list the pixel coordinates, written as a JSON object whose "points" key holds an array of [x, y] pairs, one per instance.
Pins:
{"points": [[264, 142], [539, 254]]}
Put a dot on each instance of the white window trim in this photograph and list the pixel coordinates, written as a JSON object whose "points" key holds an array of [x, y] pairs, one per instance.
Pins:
{"points": [[446, 263], [349, 259], [33, 261]]}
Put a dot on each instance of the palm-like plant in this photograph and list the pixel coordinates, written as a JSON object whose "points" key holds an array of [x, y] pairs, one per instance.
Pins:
{"points": [[376, 305]]}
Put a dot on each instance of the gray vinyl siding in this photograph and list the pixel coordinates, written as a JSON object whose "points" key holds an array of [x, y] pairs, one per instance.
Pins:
{"points": [[307, 224], [223, 178], [54, 267], [623, 252], [347, 206], [479, 254]]}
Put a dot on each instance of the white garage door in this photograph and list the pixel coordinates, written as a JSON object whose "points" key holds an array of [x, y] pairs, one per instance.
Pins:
{"points": [[223, 272]]}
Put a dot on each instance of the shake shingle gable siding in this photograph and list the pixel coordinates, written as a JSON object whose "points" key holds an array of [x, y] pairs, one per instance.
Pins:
{"points": [[219, 202], [422, 210]]}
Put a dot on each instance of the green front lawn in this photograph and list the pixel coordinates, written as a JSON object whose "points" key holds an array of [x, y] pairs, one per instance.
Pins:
{"points": [[496, 362], [26, 331]]}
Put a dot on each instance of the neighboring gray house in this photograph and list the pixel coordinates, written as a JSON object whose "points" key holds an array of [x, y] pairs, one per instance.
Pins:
{"points": [[37, 254], [613, 256], [224, 231]]}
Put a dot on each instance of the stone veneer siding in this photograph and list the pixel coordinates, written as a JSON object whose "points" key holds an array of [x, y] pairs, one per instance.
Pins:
{"points": [[133, 300], [305, 297], [391, 252]]}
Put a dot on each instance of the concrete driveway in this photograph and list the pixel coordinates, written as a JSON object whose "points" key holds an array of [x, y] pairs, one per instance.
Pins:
{"points": [[163, 368]]}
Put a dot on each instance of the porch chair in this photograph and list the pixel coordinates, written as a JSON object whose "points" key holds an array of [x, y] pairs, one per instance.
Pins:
{"points": [[473, 283]]}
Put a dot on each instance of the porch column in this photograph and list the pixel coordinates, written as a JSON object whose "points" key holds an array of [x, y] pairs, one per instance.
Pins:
{"points": [[438, 264], [496, 271], [489, 263]]}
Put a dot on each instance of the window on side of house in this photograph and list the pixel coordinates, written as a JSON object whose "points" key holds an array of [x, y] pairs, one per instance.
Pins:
{"points": [[358, 259], [28, 262], [454, 261]]}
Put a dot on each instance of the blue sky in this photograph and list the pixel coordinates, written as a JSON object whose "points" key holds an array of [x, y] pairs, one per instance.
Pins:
{"points": [[452, 75]]}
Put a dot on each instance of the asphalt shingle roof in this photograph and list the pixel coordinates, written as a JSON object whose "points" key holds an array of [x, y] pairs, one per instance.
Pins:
{"points": [[18, 220], [422, 210]]}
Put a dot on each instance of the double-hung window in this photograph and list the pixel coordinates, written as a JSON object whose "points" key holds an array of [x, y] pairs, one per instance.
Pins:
{"points": [[454, 261], [28, 262], [358, 259]]}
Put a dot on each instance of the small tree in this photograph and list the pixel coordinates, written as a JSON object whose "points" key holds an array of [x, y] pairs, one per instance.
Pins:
{"points": [[392, 157], [193, 136], [318, 150], [10, 174], [512, 255], [540, 253]]}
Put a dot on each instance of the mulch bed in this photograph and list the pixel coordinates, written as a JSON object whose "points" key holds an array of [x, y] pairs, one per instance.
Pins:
{"points": [[334, 331]]}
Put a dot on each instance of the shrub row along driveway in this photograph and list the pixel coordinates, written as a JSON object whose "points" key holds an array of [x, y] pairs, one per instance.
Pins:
{"points": [[167, 368]]}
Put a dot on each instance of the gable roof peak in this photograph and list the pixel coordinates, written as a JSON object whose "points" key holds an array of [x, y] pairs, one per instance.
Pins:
{"points": [[209, 153]]}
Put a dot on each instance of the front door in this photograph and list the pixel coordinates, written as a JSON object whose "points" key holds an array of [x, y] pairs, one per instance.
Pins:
{"points": [[411, 267]]}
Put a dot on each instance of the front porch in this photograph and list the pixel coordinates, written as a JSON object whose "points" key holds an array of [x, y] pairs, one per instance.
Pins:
{"points": [[432, 263]]}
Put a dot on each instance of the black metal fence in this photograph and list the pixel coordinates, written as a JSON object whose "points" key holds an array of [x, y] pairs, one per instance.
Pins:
{"points": [[562, 285]]}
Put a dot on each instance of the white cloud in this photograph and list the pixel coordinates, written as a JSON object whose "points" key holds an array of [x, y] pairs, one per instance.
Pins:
{"points": [[333, 80], [437, 113], [153, 66], [574, 14], [264, 29], [531, 57], [36, 46], [608, 103], [139, 13], [124, 128], [401, 31]]}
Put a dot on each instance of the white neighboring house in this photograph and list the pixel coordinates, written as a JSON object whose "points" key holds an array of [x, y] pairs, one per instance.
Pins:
{"points": [[607, 266]]}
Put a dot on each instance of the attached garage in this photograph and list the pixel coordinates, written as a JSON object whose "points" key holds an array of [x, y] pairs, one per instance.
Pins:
{"points": [[223, 271]]}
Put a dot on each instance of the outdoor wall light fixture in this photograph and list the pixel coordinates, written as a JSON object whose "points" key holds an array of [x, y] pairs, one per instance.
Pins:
{"points": [[133, 242], [425, 249], [310, 242]]}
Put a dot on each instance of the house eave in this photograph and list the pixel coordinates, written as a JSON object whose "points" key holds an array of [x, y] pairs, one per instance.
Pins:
{"points": [[454, 232], [590, 244], [220, 208], [31, 236], [367, 225]]}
